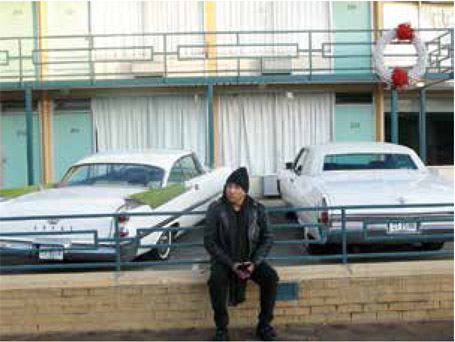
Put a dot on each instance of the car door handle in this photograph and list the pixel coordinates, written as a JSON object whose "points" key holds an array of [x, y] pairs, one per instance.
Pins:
{"points": [[196, 186]]}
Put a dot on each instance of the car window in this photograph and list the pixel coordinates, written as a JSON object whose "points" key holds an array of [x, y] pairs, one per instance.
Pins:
{"points": [[368, 161], [114, 174], [184, 169], [176, 174], [189, 168], [76, 175]]}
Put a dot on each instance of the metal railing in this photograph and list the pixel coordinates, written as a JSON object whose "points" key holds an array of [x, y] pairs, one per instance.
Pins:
{"points": [[190, 54], [342, 236]]}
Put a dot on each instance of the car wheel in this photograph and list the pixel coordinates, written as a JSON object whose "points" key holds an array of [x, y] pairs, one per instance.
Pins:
{"points": [[316, 249], [162, 253], [291, 217], [432, 246]]}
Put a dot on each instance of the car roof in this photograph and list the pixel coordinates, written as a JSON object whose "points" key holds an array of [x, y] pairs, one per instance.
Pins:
{"points": [[163, 158], [359, 147]]}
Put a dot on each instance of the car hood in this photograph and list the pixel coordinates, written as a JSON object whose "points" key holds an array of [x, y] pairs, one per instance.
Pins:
{"points": [[379, 188], [67, 201]]}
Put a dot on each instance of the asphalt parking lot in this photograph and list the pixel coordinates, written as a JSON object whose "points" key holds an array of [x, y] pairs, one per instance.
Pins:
{"points": [[414, 331]]}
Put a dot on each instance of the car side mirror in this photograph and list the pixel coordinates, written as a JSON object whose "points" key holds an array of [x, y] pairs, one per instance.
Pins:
{"points": [[288, 165]]}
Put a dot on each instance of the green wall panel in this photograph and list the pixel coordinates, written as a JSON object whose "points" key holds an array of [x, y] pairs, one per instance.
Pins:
{"points": [[354, 123], [72, 139], [354, 15], [14, 150]]}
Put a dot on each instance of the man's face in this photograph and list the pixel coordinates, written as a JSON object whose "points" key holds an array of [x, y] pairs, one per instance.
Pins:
{"points": [[235, 193]]}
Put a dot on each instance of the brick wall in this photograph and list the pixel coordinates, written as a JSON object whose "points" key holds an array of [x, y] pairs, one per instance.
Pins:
{"points": [[148, 299]]}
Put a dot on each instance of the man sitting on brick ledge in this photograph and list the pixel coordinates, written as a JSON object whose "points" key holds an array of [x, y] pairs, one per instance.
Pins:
{"points": [[238, 239]]}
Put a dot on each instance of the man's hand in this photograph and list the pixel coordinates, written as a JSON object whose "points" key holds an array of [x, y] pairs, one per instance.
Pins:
{"points": [[249, 267], [241, 271]]}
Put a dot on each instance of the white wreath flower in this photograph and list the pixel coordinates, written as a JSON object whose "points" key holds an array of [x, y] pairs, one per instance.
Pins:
{"points": [[385, 73]]}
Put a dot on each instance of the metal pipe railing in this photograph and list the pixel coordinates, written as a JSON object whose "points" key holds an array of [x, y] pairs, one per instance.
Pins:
{"points": [[117, 243], [105, 56]]}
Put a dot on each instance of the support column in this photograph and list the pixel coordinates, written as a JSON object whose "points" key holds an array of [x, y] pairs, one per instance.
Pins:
{"points": [[379, 91], [36, 24], [29, 132], [211, 65], [44, 105], [377, 18], [210, 152], [46, 137], [379, 112], [210, 40], [216, 133], [394, 115], [42, 43], [423, 126]]}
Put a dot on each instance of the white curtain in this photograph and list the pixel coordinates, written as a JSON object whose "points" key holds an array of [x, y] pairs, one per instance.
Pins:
{"points": [[272, 16], [264, 131], [143, 54], [151, 122], [114, 53]]}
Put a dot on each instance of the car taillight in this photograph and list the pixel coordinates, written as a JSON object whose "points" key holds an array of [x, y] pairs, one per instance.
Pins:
{"points": [[123, 219], [323, 217], [123, 232]]}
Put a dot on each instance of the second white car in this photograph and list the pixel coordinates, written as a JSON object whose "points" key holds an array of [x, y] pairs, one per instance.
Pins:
{"points": [[368, 174]]}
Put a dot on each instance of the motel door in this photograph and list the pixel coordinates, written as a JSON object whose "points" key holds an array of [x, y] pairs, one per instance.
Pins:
{"points": [[13, 149], [354, 123]]}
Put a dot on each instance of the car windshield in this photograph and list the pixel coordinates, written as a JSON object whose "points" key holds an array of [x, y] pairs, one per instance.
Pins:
{"points": [[114, 174], [368, 161]]}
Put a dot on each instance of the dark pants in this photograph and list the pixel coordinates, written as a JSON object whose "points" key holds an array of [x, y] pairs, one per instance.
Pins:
{"points": [[263, 275]]}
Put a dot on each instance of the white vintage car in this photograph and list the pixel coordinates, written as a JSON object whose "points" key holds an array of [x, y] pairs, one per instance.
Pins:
{"points": [[115, 182], [366, 174]]}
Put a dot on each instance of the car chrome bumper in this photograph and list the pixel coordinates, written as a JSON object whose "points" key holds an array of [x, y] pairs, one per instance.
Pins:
{"points": [[378, 233], [18, 252]]}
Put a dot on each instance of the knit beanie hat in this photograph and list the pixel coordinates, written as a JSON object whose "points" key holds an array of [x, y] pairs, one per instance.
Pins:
{"points": [[240, 177]]}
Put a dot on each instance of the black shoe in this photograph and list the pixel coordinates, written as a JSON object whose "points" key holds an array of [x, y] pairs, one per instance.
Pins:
{"points": [[221, 335], [265, 332]]}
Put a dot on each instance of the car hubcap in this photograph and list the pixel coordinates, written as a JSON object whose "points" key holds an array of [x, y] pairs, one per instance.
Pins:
{"points": [[165, 239]]}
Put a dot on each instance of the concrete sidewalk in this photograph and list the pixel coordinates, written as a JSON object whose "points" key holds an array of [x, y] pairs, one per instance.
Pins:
{"points": [[415, 331]]}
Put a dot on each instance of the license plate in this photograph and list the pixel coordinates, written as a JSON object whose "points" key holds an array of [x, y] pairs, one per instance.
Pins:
{"points": [[402, 227], [50, 253]]}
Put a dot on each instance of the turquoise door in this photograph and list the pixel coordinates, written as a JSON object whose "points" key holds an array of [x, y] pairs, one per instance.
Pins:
{"points": [[14, 150], [72, 139], [354, 123], [352, 15]]}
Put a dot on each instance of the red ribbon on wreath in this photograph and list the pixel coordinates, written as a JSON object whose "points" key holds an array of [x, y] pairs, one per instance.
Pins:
{"points": [[404, 32], [399, 78], [399, 75]]}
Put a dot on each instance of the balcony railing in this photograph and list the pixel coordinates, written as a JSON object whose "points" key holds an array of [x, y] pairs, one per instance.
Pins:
{"points": [[210, 54]]}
